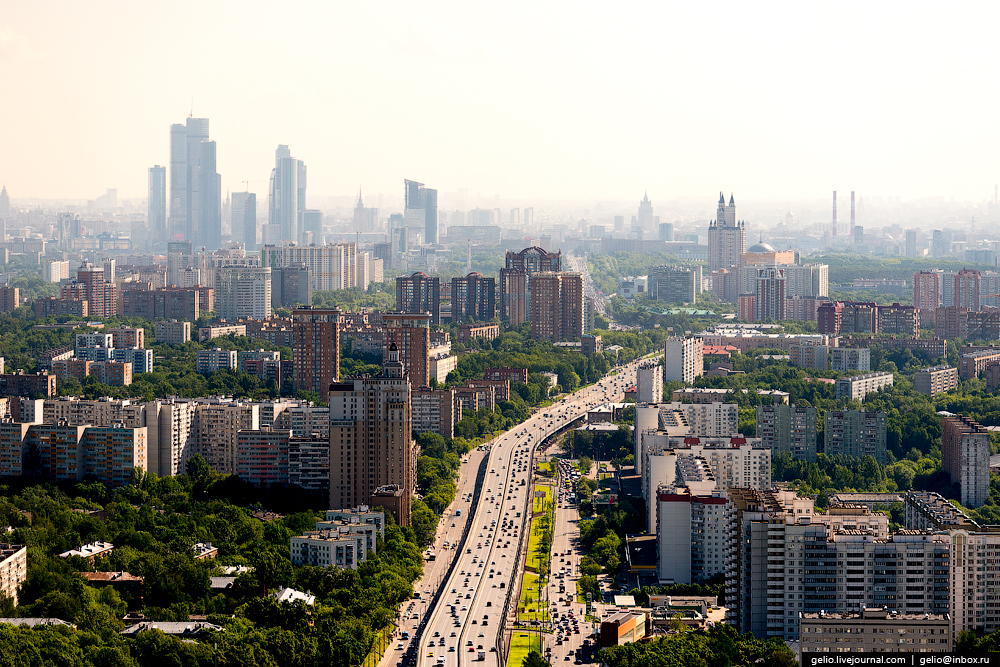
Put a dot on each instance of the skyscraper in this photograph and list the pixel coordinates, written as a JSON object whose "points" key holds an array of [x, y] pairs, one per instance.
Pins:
{"points": [[965, 456], [422, 207], [371, 442], [727, 237], [244, 219], [645, 217], [4, 203], [315, 348], [911, 243], [312, 223], [195, 186], [156, 208], [288, 194], [365, 219], [967, 289]]}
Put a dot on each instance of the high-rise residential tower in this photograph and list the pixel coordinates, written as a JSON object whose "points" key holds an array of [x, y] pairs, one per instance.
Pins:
{"points": [[473, 298], [557, 306], [515, 281], [373, 457], [288, 194], [156, 207], [727, 237], [422, 207], [244, 219], [315, 348], [195, 186], [419, 293]]}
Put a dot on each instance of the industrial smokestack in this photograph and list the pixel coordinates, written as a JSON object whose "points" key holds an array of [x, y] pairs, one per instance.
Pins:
{"points": [[852, 214], [835, 213]]}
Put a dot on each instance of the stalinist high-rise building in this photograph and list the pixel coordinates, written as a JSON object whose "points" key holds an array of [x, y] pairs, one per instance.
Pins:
{"points": [[727, 237], [373, 456]]}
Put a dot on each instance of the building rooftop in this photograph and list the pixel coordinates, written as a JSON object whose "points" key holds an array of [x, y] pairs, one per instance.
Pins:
{"points": [[175, 628], [292, 595], [88, 550], [30, 622]]}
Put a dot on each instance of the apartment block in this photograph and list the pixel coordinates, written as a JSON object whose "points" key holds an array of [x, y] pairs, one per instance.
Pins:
{"points": [[371, 443], [965, 456], [410, 333], [316, 348], [329, 548], [855, 433], [874, 630], [974, 363], [13, 569], [301, 420], [173, 332], [557, 306], [709, 420], [927, 510], [858, 386], [824, 562], [465, 333], [10, 299], [435, 411], [127, 337], [695, 536], [331, 267], [507, 373], [262, 457], [20, 383], [683, 359], [210, 361], [851, 359], [217, 424], [69, 453], [473, 298], [899, 320], [649, 385], [936, 380], [787, 428], [309, 462], [419, 294], [810, 355], [243, 292], [206, 334]]}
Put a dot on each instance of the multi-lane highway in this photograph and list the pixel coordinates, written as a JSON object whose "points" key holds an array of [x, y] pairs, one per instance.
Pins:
{"points": [[464, 625]]}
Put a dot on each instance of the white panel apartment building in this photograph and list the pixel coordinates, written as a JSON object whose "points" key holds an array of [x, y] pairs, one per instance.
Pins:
{"points": [[712, 420], [694, 533], [684, 359], [649, 383], [330, 267], [243, 292], [796, 562], [858, 386]]}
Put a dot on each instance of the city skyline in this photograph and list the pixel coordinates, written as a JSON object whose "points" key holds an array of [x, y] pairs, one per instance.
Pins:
{"points": [[799, 106]]}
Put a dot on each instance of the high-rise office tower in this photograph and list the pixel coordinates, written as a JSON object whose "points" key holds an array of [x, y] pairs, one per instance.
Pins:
{"points": [[421, 206], [244, 219], [769, 304], [288, 194], [156, 207], [645, 218], [515, 217], [529, 217], [315, 348], [419, 293], [4, 203], [312, 224], [727, 237], [410, 333], [667, 232], [515, 281], [473, 298], [556, 306], [195, 186], [940, 244], [372, 451]]}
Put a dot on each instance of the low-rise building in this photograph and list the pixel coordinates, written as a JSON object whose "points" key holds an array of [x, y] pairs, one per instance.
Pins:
{"points": [[89, 552], [623, 628], [208, 333], [467, 332]]}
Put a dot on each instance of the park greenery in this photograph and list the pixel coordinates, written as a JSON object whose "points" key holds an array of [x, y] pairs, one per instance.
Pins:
{"points": [[153, 524], [719, 646]]}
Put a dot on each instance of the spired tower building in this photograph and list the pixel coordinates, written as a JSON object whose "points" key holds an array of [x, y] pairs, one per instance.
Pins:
{"points": [[727, 237]]}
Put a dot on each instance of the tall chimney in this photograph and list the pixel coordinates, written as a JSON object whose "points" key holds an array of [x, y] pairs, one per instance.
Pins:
{"points": [[834, 214], [852, 215]]}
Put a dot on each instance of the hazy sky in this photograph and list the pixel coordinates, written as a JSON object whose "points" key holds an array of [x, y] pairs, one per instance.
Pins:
{"points": [[568, 100]]}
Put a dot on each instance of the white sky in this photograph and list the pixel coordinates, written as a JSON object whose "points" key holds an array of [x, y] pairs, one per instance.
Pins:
{"points": [[568, 100]]}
